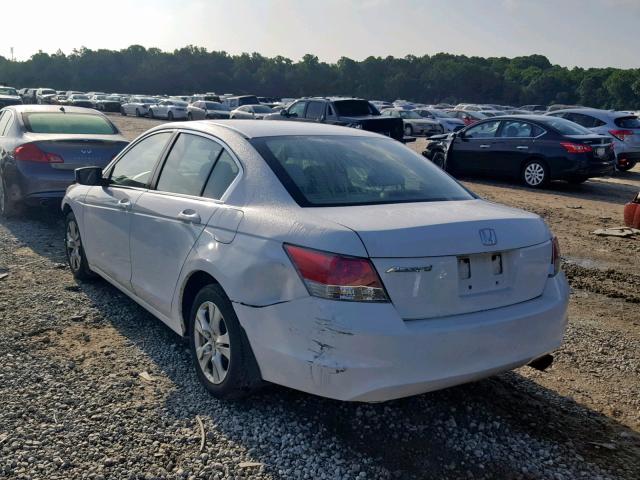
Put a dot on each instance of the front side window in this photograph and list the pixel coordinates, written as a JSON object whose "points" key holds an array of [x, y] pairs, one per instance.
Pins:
{"points": [[345, 170], [4, 120], [297, 109], [68, 123], [135, 167], [188, 165], [483, 130]]}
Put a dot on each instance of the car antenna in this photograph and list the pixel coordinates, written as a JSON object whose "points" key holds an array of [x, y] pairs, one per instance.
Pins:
{"points": [[62, 110]]}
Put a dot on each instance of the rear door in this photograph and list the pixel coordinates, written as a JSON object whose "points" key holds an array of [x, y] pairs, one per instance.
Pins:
{"points": [[471, 152], [170, 218], [107, 212], [514, 144]]}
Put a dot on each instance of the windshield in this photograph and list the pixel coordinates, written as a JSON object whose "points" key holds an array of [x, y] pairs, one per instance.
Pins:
{"points": [[354, 108], [566, 127], [79, 97], [409, 114], [345, 170], [8, 91], [177, 103], [262, 109], [47, 92], [248, 100], [68, 123], [148, 100]]}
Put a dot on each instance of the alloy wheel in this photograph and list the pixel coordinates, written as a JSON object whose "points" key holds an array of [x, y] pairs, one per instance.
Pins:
{"points": [[211, 339], [534, 174], [74, 245]]}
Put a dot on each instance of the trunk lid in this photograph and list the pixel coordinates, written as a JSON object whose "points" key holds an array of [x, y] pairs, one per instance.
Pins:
{"points": [[79, 151], [449, 258]]}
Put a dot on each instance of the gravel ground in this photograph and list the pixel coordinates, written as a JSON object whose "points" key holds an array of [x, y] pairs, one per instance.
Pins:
{"points": [[92, 386]]}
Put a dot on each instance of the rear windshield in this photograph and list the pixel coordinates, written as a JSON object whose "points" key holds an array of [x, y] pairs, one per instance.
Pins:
{"points": [[262, 109], [627, 122], [215, 106], [68, 123], [566, 127], [344, 170], [8, 91], [248, 100], [354, 108]]}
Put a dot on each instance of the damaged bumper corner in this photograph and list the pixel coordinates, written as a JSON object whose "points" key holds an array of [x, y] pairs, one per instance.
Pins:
{"points": [[366, 352]]}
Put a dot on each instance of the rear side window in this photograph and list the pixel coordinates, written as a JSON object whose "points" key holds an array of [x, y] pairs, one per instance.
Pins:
{"points": [[315, 110], [622, 122], [135, 167], [587, 121], [223, 175], [68, 123], [354, 108], [483, 130], [188, 165], [566, 127], [4, 120], [518, 129], [345, 170]]}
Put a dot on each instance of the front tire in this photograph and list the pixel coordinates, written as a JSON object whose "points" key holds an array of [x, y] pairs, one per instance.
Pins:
{"points": [[170, 116], [138, 114], [75, 250], [220, 351], [439, 159], [151, 114], [408, 130], [535, 174], [122, 112]]}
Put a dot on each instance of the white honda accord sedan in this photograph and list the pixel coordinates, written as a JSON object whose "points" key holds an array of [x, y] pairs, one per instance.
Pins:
{"points": [[327, 259]]}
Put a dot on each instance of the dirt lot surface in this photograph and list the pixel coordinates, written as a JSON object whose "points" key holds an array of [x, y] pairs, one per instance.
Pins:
{"points": [[92, 386]]}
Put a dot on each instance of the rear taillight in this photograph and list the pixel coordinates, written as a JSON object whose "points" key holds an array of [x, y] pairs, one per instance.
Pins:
{"points": [[555, 256], [576, 147], [29, 152], [337, 277], [621, 134]]}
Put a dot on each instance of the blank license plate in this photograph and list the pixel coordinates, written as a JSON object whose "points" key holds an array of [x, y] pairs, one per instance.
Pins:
{"points": [[600, 151]]}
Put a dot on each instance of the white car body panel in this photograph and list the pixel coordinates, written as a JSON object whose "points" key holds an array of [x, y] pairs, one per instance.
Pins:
{"points": [[431, 335]]}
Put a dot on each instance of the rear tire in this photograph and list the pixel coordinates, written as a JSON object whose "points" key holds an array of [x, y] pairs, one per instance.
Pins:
{"points": [[75, 250], [535, 174], [8, 207], [151, 114], [138, 114], [122, 112], [628, 165], [220, 350], [170, 116]]}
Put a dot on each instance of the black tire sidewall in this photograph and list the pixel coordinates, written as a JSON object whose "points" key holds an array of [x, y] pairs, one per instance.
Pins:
{"points": [[408, 130], [440, 164], [238, 381], [84, 272]]}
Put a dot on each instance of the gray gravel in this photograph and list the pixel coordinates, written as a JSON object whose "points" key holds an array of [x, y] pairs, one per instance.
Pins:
{"points": [[73, 403]]}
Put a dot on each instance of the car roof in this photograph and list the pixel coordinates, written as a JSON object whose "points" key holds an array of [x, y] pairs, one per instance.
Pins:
{"points": [[53, 108], [596, 112], [268, 128]]}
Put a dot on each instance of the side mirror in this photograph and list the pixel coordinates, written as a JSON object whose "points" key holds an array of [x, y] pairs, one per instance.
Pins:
{"points": [[91, 176], [284, 113]]}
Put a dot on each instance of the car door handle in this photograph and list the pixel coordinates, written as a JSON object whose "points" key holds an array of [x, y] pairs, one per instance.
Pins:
{"points": [[485, 146], [189, 216], [522, 147], [124, 203]]}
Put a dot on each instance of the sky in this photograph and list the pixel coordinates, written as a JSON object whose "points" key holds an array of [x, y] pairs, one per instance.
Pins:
{"points": [[585, 33]]}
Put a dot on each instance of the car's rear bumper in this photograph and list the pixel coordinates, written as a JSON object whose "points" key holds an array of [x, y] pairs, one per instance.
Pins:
{"points": [[366, 352]]}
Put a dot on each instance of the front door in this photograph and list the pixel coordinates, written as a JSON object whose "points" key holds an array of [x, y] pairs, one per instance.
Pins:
{"points": [[471, 151], [107, 212]]}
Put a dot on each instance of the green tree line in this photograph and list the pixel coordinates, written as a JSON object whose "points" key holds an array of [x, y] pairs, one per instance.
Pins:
{"points": [[429, 79]]}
